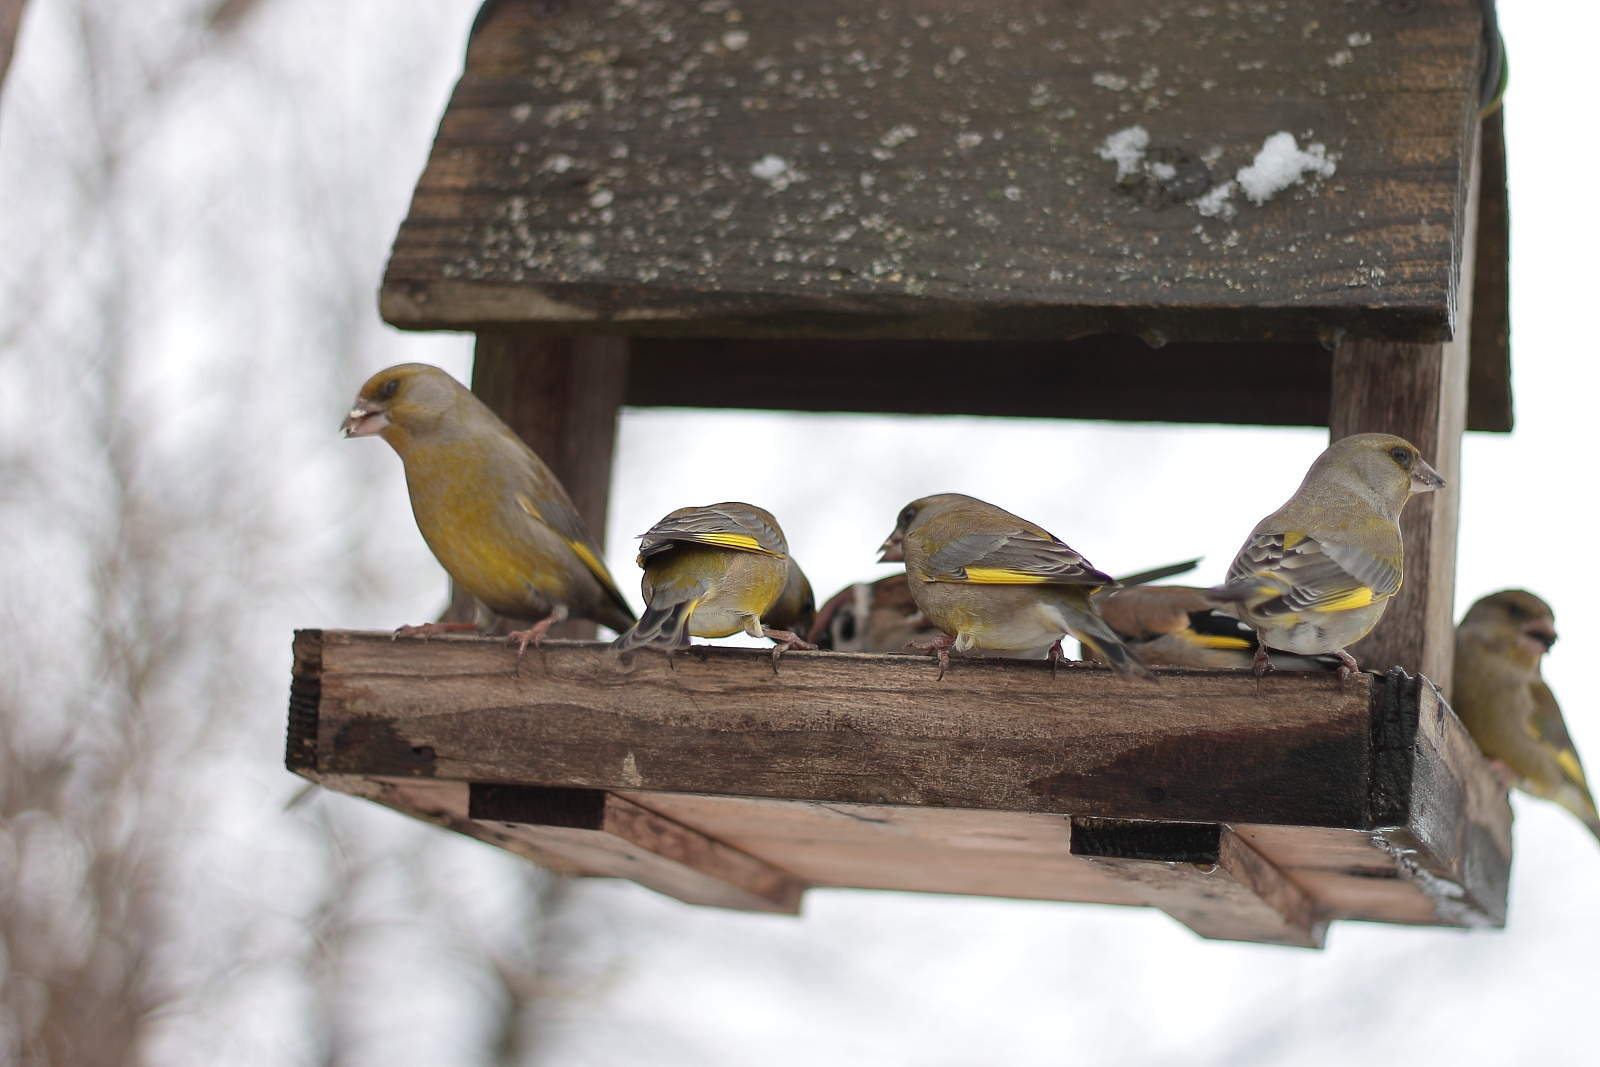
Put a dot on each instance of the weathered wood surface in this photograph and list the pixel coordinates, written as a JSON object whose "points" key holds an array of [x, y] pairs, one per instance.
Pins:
{"points": [[1489, 404], [1206, 877], [561, 395], [936, 171], [1420, 393], [863, 770]]}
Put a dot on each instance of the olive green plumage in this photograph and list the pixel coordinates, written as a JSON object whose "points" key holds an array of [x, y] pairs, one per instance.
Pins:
{"points": [[991, 580], [493, 514], [716, 570], [1316, 575], [1502, 698]]}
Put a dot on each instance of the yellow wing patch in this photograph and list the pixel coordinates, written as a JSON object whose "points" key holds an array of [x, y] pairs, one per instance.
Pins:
{"points": [[1568, 761], [1357, 598], [1220, 641], [1000, 576], [742, 542], [579, 549], [1292, 539]]}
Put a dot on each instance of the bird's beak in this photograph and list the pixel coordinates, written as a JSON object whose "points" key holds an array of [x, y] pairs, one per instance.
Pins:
{"points": [[1424, 479], [893, 550], [365, 419], [1539, 635]]}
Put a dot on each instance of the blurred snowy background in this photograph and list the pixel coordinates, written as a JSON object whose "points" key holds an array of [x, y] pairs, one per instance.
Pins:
{"points": [[196, 200]]}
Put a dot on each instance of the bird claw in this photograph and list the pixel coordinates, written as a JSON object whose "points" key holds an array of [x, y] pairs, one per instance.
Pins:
{"points": [[785, 640], [938, 646], [1056, 655], [1262, 663], [1347, 667], [434, 629], [533, 635]]}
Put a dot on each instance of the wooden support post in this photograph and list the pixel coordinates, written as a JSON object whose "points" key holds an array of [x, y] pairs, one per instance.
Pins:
{"points": [[1419, 392], [1205, 876], [561, 395]]}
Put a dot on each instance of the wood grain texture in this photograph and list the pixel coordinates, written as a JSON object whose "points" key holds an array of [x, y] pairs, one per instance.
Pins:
{"points": [[1212, 881], [609, 836], [1420, 393], [1489, 404], [561, 395], [862, 770], [940, 171]]}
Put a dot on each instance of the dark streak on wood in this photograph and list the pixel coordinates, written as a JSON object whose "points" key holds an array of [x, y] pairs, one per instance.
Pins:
{"points": [[1489, 402], [305, 697], [1160, 842], [1108, 376], [580, 809]]}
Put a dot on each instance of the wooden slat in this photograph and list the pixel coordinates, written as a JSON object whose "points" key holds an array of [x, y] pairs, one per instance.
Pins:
{"points": [[593, 171], [1489, 368], [863, 770], [1206, 877], [607, 835], [1108, 376]]}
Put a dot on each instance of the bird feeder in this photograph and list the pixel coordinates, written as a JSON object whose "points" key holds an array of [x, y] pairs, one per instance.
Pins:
{"points": [[1287, 213]]}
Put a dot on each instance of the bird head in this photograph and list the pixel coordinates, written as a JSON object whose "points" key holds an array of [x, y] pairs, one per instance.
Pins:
{"points": [[1513, 619], [1390, 466], [402, 401], [912, 517]]}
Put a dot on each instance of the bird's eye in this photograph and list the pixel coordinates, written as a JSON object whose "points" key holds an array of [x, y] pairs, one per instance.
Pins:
{"points": [[389, 388], [1400, 456], [907, 515], [1516, 611]]}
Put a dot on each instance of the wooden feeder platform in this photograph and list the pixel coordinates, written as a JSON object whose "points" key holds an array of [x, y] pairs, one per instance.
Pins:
{"points": [[1247, 811]]}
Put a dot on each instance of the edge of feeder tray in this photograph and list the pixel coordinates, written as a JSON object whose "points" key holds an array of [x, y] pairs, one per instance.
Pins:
{"points": [[1248, 810]]}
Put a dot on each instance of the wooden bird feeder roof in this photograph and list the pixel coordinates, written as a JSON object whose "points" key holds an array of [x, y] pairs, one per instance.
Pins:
{"points": [[1248, 811], [931, 171]]}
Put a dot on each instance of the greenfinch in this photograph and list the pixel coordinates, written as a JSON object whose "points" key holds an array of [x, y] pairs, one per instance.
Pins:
{"points": [[880, 616], [714, 571], [1177, 626], [988, 579], [1316, 575], [1501, 697], [493, 514]]}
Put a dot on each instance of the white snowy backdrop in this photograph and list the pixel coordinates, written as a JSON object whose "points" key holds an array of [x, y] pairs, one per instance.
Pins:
{"points": [[196, 198]]}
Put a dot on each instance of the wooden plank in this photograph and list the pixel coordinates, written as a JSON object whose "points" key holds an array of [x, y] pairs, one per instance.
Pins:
{"points": [[1489, 368], [610, 836], [1368, 796], [1206, 877], [561, 395], [1420, 393], [1108, 376], [937, 171]]}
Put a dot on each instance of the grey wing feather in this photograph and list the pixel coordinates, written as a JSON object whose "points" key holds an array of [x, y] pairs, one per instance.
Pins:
{"points": [[1022, 552], [694, 524], [1317, 573]]}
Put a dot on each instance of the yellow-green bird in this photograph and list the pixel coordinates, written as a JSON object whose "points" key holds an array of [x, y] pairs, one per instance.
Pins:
{"points": [[1178, 626], [989, 579], [714, 571], [1316, 575], [494, 515], [1506, 706]]}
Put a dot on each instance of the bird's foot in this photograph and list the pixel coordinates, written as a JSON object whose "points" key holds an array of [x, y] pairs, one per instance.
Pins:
{"points": [[785, 641], [533, 635], [434, 629], [1347, 667], [936, 646], [1056, 656], [1503, 771], [1263, 661]]}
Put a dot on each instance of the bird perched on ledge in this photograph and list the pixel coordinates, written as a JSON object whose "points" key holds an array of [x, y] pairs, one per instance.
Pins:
{"points": [[713, 571], [988, 579], [1506, 706], [1177, 626], [1316, 575], [493, 514]]}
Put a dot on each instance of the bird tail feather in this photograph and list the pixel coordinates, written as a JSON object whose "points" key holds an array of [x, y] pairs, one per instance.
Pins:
{"points": [[1103, 640], [661, 626]]}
